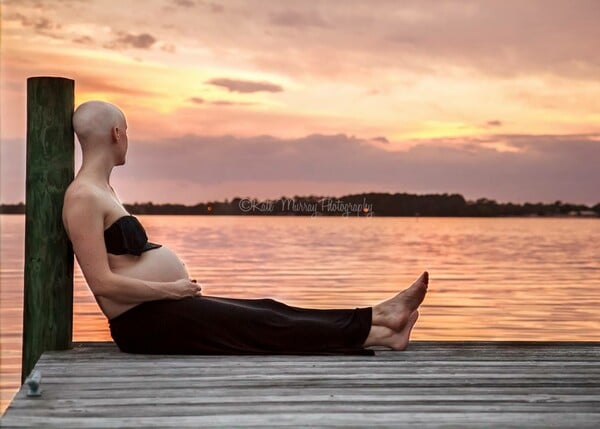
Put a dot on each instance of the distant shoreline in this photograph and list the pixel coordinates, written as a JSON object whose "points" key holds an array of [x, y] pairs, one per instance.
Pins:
{"points": [[374, 215], [359, 205]]}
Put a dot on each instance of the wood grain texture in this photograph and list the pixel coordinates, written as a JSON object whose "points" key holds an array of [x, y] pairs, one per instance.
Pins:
{"points": [[50, 163], [432, 384]]}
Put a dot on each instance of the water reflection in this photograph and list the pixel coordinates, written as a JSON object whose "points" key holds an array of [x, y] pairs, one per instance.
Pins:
{"points": [[491, 279]]}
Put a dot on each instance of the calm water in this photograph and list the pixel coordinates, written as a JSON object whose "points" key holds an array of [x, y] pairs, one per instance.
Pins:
{"points": [[490, 279]]}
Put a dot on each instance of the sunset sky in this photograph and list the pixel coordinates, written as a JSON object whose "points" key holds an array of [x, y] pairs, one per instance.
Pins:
{"points": [[261, 98]]}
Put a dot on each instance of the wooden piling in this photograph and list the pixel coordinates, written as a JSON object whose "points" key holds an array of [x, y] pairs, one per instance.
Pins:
{"points": [[50, 164]]}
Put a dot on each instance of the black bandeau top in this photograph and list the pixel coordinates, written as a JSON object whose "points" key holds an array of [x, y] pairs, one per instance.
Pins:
{"points": [[127, 236]]}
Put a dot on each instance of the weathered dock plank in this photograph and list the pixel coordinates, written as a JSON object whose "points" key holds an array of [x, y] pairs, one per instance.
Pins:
{"points": [[432, 384]]}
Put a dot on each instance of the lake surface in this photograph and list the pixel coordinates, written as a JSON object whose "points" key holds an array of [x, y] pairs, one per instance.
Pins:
{"points": [[490, 278]]}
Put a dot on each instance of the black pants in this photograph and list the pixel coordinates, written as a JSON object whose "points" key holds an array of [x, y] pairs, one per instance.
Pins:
{"points": [[218, 325]]}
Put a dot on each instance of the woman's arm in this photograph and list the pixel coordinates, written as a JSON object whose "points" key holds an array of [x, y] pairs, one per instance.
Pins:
{"points": [[83, 219], [129, 290]]}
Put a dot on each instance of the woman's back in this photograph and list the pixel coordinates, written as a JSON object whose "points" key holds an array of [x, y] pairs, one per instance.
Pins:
{"points": [[158, 264]]}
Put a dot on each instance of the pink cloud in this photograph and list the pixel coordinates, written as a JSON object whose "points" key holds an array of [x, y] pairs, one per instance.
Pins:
{"points": [[245, 86]]}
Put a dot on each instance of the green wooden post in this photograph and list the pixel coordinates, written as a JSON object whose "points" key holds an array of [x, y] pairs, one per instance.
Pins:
{"points": [[50, 165]]}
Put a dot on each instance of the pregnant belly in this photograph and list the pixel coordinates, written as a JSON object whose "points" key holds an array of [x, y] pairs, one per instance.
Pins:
{"points": [[159, 265]]}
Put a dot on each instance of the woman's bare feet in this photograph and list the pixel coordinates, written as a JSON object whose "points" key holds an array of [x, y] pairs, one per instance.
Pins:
{"points": [[383, 336], [399, 340], [395, 312]]}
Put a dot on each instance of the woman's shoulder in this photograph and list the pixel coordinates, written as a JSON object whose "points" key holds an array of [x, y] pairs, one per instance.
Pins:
{"points": [[81, 187], [79, 196], [83, 198], [83, 191]]}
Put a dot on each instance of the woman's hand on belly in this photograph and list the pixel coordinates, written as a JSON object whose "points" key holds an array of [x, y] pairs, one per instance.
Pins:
{"points": [[187, 288]]}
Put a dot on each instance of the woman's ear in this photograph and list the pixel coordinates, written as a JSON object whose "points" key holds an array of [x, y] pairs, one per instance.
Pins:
{"points": [[115, 134]]}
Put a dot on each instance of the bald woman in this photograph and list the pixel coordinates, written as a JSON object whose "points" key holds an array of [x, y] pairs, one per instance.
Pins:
{"points": [[152, 305]]}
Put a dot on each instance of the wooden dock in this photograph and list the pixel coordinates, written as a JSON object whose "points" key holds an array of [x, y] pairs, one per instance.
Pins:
{"points": [[432, 384]]}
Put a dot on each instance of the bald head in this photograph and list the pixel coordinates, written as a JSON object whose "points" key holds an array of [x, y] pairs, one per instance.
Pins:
{"points": [[95, 120]]}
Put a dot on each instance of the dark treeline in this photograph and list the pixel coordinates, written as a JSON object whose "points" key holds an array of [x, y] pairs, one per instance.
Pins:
{"points": [[367, 204]]}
